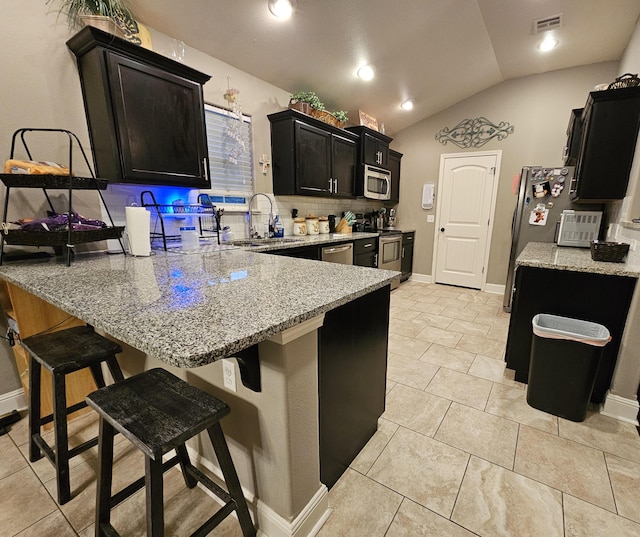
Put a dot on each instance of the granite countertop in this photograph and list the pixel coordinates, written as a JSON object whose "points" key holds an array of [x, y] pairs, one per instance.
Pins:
{"points": [[550, 255], [189, 310], [297, 241]]}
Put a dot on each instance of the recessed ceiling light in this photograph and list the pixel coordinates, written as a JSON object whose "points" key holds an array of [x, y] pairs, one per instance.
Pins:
{"points": [[407, 105], [365, 72], [548, 43], [281, 9]]}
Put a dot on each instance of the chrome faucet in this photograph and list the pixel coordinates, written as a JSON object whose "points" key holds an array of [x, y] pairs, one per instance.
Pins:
{"points": [[253, 234]]}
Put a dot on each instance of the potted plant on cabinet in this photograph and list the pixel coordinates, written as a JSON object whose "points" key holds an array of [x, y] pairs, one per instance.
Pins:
{"points": [[111, 16], [304, 101]]}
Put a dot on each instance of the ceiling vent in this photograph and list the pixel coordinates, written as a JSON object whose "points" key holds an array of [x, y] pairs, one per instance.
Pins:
{"points": [[548, 23]]}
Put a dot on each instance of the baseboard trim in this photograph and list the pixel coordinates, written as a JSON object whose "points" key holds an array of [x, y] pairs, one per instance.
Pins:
{"points": [[269, 523], [494, 288], [307, 524], [620, 408], [420, 278], [15, 400]]}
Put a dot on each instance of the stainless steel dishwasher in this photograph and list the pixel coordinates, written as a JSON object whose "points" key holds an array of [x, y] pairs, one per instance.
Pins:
{"points": [[342, 254]]}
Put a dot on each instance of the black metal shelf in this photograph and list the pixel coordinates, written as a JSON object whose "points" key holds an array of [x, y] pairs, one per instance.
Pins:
{"points": [[69, 237]]}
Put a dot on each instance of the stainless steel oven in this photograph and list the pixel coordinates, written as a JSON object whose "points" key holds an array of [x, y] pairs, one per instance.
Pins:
{"points": [[389, 253]]}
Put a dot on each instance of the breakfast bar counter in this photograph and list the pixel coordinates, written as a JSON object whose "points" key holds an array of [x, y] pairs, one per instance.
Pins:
{"points": [[185, 312]]}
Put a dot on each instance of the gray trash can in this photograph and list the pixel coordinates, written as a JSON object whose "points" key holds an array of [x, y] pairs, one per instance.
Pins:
{"points": [[565, 356]]}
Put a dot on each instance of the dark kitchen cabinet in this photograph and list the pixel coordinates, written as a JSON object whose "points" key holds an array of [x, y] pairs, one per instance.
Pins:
{"points": [[374, 146], [310, 157], [610, 122], [352, 368], [365, 252], [395, 159], [406, 259], [145, 112], [574, 137], [578, 295]]}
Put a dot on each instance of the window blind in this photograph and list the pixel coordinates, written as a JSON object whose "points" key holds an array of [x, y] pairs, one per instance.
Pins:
{"points": [[230, 154]]}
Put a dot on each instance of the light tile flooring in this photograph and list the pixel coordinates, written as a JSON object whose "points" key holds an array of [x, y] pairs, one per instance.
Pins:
{"points": [[458, 451]]}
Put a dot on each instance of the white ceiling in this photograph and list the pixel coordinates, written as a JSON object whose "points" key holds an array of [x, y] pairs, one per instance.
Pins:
{"points": [[437, 52]]}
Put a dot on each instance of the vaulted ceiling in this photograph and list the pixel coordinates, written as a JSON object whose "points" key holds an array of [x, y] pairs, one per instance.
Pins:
{"points": [[437, 52]]}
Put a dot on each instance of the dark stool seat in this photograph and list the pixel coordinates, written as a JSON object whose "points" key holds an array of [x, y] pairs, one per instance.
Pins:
{"points": [[159, 412], [61, 353]]}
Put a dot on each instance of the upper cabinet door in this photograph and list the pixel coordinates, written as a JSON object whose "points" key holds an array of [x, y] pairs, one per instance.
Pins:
{"points": [[148, 103], [343, 165], [375, 151], [313, 160]]}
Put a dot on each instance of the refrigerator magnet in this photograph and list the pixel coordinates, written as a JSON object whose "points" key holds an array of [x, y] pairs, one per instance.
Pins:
{"points": [[540, 190], [556, 189], [538, 216]]}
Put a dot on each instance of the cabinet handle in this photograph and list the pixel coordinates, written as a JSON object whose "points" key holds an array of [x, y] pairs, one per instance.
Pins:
{"points": [[335, 186], [330, 186], [206, 168], [403, 252], [368, 245], [375, 260]]}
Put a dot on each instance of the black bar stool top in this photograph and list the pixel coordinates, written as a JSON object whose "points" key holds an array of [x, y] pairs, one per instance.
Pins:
{"points": [[156, 411], [69, 350]]}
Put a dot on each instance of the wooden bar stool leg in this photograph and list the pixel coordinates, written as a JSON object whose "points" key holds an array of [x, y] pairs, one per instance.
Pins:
{"points": [[35, 374], [231, 479], [114, 368], [96, 372], [105, 476], [61, 438], [185, 462], [154, 492]]}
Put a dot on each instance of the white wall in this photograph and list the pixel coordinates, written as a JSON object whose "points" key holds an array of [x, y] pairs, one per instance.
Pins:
{"points": [[537, 106]]}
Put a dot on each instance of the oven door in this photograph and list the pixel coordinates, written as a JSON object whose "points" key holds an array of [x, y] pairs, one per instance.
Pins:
{"points": [[389, 252]]}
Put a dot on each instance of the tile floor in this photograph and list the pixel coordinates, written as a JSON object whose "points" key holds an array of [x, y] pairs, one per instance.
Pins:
{"points": [[458, 452]]}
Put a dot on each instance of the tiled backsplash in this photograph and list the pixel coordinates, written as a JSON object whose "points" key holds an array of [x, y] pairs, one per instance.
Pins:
{"points": [[120, 195]]}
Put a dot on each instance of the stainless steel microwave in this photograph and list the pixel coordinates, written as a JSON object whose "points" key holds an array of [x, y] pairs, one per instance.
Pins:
{"points": [[377, 183]]}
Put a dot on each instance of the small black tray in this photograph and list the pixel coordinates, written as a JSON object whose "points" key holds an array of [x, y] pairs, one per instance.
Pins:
{"points": [[613, 252], [25, 180], [60, 238]]}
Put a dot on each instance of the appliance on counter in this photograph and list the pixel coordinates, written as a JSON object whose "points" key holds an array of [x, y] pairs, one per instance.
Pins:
{"points": [[342, 254], [377, 183], [543, 196]]}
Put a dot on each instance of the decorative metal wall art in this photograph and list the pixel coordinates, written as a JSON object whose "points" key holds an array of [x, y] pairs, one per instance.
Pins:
{"points": [[474, 132]]}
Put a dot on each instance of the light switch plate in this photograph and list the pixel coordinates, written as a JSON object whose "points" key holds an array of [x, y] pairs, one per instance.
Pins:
{"points": [[431, 218]]}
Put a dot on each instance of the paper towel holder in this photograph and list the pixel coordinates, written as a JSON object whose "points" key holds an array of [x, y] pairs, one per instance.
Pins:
{"points": [[428, 195]]}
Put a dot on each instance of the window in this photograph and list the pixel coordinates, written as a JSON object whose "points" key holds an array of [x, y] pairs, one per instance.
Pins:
{"points": [[230, 158]]}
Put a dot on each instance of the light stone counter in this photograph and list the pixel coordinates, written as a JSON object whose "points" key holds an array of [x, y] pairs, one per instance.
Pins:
{"points": [[551, 256], [189, 310]]}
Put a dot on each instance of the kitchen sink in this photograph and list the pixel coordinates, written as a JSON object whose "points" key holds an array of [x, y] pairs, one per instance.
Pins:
{"points": [[263, 242]]}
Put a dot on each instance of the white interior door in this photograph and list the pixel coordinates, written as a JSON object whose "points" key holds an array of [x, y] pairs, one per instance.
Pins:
{"points": [[467, 187]]}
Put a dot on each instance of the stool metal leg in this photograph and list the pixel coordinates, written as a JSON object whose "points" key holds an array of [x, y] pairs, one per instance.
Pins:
{"points": [[231, 479], [61, 438], [35, 374], [105, 477], [154, 493]]}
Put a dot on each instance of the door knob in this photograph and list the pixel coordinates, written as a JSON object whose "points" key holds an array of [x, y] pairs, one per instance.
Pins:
{"points": [[441, 229]]}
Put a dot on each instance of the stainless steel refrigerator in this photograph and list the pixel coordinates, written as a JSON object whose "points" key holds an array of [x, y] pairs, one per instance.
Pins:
{"points": [[543, 194]]}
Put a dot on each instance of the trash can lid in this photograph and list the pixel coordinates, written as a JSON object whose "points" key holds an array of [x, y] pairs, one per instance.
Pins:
{"points": [[556, 327]]}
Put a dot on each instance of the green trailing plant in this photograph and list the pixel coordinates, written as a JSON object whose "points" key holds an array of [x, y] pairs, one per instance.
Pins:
{"points": [[308, 97], [114, 9], [341, 115]]}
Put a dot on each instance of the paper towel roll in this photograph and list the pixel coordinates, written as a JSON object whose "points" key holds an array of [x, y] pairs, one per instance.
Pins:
{"points": [[138, 222]]}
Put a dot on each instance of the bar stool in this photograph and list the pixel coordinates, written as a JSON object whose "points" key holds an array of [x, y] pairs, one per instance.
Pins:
{"points": [[159, 412], [61, 353]]}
